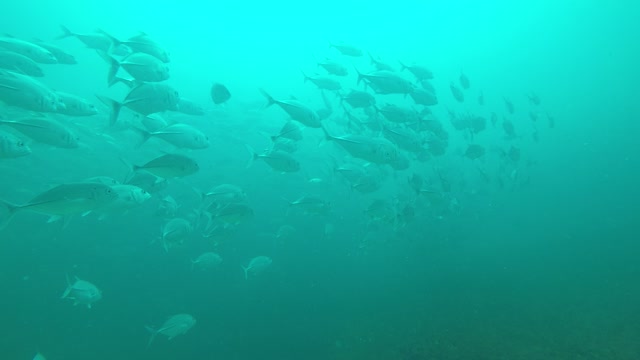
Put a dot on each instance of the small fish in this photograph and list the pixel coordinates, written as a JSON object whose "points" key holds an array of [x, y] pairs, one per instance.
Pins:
{"points": [[189, 107], [256, 266], [145, 99], [424, 97], [143, 67], [81, 292], [464, 81], [278, 160], [96, 41], [206, 261], [290, 130], [333, 67], [296, 109], [358, 99], [219, 93], [62, 56], [176, 325], [180, 135], [420, 72], [456, 92], [314, 205], [170, 166], [141, 43], [474, 151], [175, 232], [509, 105], [323, 82], [346, 49]]}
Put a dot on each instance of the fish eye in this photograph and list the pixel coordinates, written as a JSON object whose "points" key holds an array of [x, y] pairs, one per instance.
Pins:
{"points": [[20, 144]]}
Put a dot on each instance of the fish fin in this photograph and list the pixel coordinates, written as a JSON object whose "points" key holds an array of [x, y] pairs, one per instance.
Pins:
{"points": [[402, 65], [146, 135], [114, 42], [9, 87], [360, 75], [246, 274], [65, 33], [115, 108], [270, 99], [67, 291]]}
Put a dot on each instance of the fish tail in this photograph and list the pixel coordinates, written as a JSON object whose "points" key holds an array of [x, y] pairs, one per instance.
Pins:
{"points": [[114, 42], [327, 135], [115, 108], [270, 99], [153, 335], [360, 75], [306, 77], [146, 135], [402, 65], [7, 211], [65, 33], [246, 274], [68, 289], [114, 66], [373, 60], [252, 155]]}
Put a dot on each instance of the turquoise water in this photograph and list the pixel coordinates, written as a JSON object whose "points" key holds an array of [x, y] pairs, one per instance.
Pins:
{"points": [[528, 259]]}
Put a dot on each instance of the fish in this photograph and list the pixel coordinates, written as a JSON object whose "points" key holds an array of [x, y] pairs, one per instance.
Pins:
{"points": [[168, 207], [232, 214], [96, 41], [12, 61], [464, 81], [189, 107], [142, 43], [222, 195], [62, 201], [379, 64], [509, 105], [45, 130], [28, 49], [81, 292], [376, 150], [419, 71], [358, 99], [39, 356], [314, 205], [474, 151], [456, 92], [534, 98], [397, 114], [178, 324], [333, 67], [219, 93], [424, 97], [147, 181], [180, 135], [62, 56], [206, 261], [347, 49], [296, 109], [175, 232], [27, 93], [257, 265], [277, 159], [128, 197], [386, 82], [170, 166], [290, 130], [145, 99], [75, 105], [323, 82], [12, 147], [405, 138], [142, 67]]}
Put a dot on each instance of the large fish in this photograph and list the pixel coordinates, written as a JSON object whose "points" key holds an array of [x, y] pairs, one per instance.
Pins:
{"points": [[143, 67], [44, 130], [386, 82], [170, 166], [28, 49], [176, 325], [62, 201], [296, 109], [19, 63], [25, 92], [180, 135], [145, 99], [75, 105]]}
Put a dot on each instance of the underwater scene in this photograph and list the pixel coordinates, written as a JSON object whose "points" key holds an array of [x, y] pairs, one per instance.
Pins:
{"points": [[337, 180]]}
